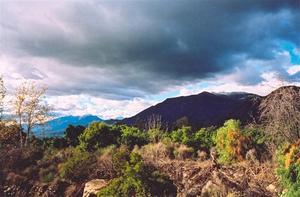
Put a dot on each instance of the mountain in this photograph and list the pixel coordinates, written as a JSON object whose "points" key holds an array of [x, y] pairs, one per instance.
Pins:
{"points": [[205, 109], [57, 126]]}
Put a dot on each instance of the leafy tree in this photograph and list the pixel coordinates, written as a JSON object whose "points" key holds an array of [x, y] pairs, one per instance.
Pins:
{"points": [[99, 135], [30, 107], [131, 136], [72, 133]]}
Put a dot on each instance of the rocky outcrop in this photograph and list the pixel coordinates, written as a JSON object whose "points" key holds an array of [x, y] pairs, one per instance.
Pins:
{"points": [[92, 187]]}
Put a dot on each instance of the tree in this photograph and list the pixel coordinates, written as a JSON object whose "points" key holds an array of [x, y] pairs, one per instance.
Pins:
{"points": [[99, 135], [72, 133], [2, 95], [30, 108]]}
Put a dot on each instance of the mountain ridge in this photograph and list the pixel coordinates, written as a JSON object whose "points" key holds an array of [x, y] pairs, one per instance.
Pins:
{"points": [[205, 109]]}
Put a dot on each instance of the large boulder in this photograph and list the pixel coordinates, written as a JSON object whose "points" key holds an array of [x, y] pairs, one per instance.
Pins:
{"points": [[92, 187]]}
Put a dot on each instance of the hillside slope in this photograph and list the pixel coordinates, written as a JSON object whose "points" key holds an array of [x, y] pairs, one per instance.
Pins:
{"points": [[202, 110], [208, 109]]}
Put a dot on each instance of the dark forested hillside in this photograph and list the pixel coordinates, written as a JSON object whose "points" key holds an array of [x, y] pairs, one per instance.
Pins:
{"points": [[202, 110], [208, 109]]}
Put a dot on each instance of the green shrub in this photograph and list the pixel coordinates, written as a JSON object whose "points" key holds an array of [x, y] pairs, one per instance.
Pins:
{"points": [[99, 135], [138, 180], [156, 135], [256, 136], [203, 139], [231, 144], [119, 159], [131, 136], [289, 169], [77, 167], [182, 135]]}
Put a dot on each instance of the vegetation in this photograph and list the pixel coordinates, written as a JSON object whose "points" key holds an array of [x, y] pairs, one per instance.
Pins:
{"points": [[73, 169], [136, 179], [135, 162], [99, 135], [289, 168], [231, 143], [72, 133]]}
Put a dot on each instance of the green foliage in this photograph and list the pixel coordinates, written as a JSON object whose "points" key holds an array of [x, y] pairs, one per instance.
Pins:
{"points": [[137, 180], [256, 136], [76, 168], [119, 158], [231, 144], [202, 139], [72, 133], [156, 135], [99, 135], [289, 169], [131, 136], [182, 135]]}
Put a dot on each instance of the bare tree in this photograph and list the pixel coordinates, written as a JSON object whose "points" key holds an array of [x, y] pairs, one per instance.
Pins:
{"points": [[30, 107], [154, 122], [2, 95], [280, 113]]}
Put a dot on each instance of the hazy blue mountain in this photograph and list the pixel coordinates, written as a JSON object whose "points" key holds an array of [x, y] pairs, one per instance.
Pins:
{"points": [[57, 126]]}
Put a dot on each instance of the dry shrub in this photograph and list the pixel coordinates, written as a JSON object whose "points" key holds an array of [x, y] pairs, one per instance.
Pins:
{"points": [[158, 151], [105, 168], [184, 152]]}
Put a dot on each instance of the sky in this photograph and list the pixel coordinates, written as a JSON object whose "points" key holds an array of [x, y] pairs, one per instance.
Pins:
{"points": [[116, 58]]}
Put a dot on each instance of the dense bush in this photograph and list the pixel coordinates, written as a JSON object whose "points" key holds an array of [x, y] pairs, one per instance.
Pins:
{"points": [[138, 180], [77, 167], [55, 143], [156, 135], [72, 133], [182, 135], [131, 136], [231, 143], [99, 135], [289, 169], [202, 139]]}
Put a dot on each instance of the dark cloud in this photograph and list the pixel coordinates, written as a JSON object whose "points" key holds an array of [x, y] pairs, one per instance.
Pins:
{"points": [[150, 45]]}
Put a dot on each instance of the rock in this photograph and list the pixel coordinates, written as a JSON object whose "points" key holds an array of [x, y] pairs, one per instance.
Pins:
{"points": [[92, 187], [202, 155], [251, 156], [271, 188]]}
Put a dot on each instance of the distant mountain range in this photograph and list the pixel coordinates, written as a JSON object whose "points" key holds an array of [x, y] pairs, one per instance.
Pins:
{"points": [[201, 110], [208, 109], [57, 126]]}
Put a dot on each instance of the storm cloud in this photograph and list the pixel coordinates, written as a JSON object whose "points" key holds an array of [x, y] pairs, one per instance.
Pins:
{"points": [[127, 49]]}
